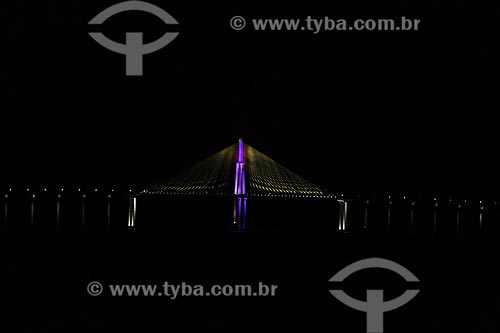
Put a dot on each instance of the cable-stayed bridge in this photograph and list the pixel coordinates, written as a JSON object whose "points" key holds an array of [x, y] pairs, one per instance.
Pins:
{"points": [[240, 171]]}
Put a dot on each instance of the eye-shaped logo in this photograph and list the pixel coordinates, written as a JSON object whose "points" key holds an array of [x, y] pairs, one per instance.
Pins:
{"points": [[374, 305], [134, 49]]}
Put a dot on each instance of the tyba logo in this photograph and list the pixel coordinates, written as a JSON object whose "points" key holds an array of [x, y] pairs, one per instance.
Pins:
{"points": [[134, 49], [374, 305]]}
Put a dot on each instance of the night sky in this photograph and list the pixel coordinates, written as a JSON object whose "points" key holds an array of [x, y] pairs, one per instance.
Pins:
{"points": [[399, 112]]}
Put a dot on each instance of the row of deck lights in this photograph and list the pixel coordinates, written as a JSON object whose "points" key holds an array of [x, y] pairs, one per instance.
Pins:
{"points": [[340, 196], [33, 193], [62, 190], [435, 200]]}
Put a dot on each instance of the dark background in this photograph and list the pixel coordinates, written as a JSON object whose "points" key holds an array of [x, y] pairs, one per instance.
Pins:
{"points": [[359, 112], [400, 112]]}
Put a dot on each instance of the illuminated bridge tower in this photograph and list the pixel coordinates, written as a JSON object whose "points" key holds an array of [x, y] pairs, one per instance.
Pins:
{"points": [[237, 172], [240, 193]]}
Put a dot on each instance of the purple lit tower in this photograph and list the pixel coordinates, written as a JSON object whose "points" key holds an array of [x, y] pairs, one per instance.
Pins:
{"points": [[240, 200]]}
